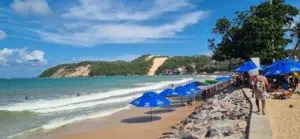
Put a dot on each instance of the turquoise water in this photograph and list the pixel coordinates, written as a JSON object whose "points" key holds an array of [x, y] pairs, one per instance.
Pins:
{"points": [[53, 103]]}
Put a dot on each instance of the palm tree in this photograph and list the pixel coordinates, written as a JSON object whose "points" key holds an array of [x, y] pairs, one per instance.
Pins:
{"points": [[296, 34]]}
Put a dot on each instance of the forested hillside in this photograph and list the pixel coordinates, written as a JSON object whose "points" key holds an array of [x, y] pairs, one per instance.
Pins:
{"points": [[141, 66]]}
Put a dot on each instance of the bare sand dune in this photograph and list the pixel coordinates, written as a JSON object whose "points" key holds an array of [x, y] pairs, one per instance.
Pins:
{"points": [[157, 62], [82, 71], [284, 119]]}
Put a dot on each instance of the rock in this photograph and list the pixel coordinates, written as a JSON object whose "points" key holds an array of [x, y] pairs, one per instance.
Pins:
{"points": [[242, 124], [223, 110], [219, 115], [212, 133], [199, 134], [222, 116], [188, 127]]}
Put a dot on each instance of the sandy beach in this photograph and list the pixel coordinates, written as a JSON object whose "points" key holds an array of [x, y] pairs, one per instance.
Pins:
{"points": [[283, 119], [134, 123]]}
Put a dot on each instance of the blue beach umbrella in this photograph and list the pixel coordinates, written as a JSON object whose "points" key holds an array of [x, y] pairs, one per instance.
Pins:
{"points": [[263, 68], [150, 94], [151, 101], [168, 93], [192, 88], [283, 67], [182, 91], [196, 83], [247, 66]]}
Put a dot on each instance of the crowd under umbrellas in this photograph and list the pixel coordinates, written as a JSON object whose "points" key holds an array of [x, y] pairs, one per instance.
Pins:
{"points": [[191, 90], [283, 77], [280, 67]]}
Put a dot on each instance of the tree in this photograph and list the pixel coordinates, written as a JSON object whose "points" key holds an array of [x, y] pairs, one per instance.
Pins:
{"points": [[256, 32], [296, 34]]}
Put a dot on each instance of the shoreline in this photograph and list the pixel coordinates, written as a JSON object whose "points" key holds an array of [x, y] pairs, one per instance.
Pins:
{"points": [[135, 121]]}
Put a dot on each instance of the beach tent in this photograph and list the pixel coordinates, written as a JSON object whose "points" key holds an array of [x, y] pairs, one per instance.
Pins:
{"points": [[168, 93], [247, 66], [151, 100]]}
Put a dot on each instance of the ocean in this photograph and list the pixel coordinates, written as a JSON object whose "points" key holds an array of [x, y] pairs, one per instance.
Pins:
{"points": [[53, 102]]}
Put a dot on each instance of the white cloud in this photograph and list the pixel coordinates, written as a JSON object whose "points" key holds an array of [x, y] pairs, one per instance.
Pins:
{"points": [[2, 35], [35, 7], [4, 54], [108, 10], [34, 57], [127, 57], [22, 56], [94, 34]]}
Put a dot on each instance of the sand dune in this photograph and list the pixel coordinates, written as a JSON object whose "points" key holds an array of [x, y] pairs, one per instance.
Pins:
{"points": [[81, 71], [157, 62]]}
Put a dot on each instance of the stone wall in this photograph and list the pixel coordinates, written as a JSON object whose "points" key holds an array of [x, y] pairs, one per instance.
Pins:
{"points": [[224, 116]]}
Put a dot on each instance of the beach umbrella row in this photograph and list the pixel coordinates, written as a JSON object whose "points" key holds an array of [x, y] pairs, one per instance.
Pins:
{"points": [[153, 99]]}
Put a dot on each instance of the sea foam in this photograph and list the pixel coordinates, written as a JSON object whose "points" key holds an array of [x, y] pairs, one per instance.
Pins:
{"points": [[46, 104], [87, 104], [61, 122]]}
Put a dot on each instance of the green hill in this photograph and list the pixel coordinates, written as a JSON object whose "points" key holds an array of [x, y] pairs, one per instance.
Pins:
{"points": [[140, 66]]}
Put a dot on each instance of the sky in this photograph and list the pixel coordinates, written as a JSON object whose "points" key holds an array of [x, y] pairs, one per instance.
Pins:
{"points": [[39, 34]]}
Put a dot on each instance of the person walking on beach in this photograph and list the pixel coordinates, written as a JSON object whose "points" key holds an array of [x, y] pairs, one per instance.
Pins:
{"points": [[260, 90]]}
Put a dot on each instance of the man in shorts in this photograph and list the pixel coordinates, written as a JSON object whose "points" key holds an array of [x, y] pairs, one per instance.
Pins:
{"points": [[261, 84]]}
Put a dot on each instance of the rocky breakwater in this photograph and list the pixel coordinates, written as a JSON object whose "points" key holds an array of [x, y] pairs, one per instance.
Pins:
{"points": [[224, 116]]}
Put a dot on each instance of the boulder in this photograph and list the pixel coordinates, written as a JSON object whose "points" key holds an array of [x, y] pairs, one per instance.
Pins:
{"points": [[199, 134]]}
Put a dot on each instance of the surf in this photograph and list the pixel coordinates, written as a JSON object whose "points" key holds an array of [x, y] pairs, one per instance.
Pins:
{"points": [[46, 104]]}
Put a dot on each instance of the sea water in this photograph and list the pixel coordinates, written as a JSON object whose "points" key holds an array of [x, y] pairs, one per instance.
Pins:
{"points": [[53, 102]]}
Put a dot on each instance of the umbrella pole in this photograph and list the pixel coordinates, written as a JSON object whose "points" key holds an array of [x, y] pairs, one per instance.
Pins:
{"points": [[181, 100], [169, 108], [151, 113]]}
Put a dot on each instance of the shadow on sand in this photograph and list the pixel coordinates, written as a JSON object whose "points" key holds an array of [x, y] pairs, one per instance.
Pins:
{"points": [[141, 119], [166, 110], [174, 106]]}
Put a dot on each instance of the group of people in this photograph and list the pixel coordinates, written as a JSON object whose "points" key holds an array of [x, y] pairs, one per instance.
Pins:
{"points": [[280, 87]]}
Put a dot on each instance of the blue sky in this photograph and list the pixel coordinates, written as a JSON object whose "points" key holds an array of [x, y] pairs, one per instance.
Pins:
{"points": [[38, 34]]}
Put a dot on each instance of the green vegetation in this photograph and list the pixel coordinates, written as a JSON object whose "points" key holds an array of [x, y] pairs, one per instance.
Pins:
{"points": [[260, 31], [178, 61], [222, 66], [202, 64], [139, 66], [295, 34]]}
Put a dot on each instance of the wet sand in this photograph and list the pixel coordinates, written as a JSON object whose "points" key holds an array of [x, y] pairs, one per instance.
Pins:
{"points": [[134, 123], [285, 121]]}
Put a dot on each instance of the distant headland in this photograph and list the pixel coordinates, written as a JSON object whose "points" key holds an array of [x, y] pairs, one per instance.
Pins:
{"points": [[144, 65]]}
